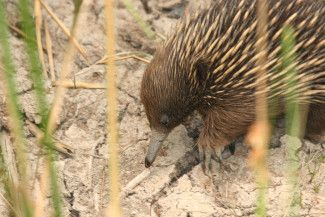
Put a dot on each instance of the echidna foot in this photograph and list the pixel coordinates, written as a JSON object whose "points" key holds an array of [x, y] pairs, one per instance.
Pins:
{"points": [[207, 154]]}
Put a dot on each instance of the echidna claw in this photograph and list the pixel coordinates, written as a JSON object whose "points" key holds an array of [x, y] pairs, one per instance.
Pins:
{"points": [[207, 154], [322, 144]]}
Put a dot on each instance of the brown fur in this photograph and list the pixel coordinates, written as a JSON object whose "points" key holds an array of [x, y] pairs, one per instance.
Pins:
{"points": [[224, 123]]}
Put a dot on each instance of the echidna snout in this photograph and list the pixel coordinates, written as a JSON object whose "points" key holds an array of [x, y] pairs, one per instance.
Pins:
{"points": [[166, 100], [156, 140]]}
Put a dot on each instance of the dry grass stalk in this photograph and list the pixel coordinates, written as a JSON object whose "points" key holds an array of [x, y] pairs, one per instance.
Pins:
{"points": [[10, 206], [48, 41], [59, 95], [79, 85], [259, 134], [133, 57], [137, 17], [261, 129], [19, 175], [123, 56], [114, 208], [94, 68], [60, 90], [9, 158], [79, 47], [41, 189], [18, 31], [296, 118], [62, 148], [161, 36], [38, 27], [21, 33], [57, 104]]}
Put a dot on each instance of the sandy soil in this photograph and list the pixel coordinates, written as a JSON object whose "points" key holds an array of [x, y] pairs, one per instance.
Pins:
{"points": [[176, 186]]}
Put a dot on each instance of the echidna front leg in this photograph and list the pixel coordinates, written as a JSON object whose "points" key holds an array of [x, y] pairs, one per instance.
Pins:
{"points": [[221, 127], [210, 148]]}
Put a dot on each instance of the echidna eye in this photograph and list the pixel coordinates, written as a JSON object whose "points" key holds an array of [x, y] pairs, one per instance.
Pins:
{"points": [[164, 120]]}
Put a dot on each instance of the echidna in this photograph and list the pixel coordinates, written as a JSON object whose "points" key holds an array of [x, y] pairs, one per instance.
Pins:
{"points": [[209, 65]]}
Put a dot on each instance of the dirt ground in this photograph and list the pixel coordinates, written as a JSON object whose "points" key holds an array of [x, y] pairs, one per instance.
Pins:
{"points": [[176, 186]]}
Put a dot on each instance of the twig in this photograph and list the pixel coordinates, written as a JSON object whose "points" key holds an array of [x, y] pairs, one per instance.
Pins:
{"points": [[127, 55], [80, 48], [9, 158], [95, 156], [48, 41], [18, 31], [62, 148], [38, 26], [22, 34], [65, 71], [161, 36], [79, 85], [91, 69], [135, 182], [134, 57], [143, 25]]}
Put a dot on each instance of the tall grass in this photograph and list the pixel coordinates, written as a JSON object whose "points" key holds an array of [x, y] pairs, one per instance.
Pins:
{"points": [[137, 17], [295, 116], [262, 131], [19, 196], [17, 193], [114, 208]]}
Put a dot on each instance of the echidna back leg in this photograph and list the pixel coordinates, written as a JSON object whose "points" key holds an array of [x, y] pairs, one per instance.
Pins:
{"points": [[315, 128]]}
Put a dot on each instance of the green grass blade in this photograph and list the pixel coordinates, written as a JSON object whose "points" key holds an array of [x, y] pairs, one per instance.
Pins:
{"points": [[15, 116], [293, 119], [38, 80], [143, 25]]}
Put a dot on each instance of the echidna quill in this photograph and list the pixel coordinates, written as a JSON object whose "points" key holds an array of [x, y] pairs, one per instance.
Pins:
{"points": [[209, 65]]}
